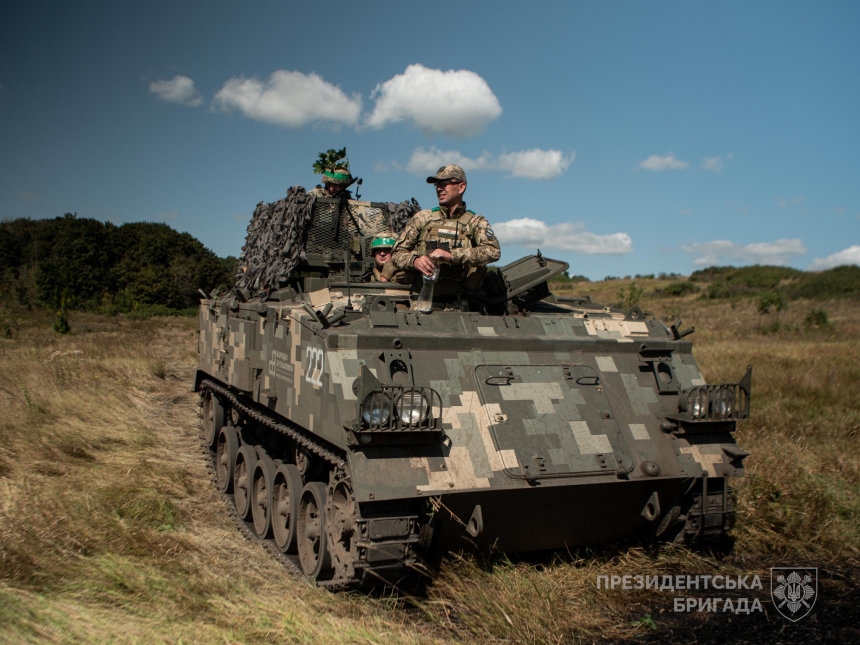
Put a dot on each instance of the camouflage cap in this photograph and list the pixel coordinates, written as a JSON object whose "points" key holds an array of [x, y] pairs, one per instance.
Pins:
{"points": [[339, 175], [451, 171]]}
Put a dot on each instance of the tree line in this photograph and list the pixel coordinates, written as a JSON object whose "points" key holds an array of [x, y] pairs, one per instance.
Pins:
{"points": [[82, 263]]}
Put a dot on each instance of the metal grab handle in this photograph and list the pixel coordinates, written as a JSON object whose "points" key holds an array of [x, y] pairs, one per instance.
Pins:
{"points": [[506, 380], [589, 380]]}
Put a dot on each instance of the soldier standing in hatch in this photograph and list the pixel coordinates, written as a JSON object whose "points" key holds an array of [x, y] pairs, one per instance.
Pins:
{"points": [[450, 236], [335, 182]]}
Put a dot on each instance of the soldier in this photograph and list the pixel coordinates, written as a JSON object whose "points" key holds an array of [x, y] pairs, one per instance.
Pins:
{"points": [[450, 236], [335, 181], [385, 271]]}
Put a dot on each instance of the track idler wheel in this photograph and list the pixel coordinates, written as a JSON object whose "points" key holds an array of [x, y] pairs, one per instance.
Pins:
{"points": [[261, 496], [243, 472], [286, 492], [214, 416], [341, 527], [314, 555], [225, 458]]}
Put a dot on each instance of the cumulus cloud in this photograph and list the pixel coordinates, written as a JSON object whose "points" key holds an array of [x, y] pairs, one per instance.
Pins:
{"points": [[658, 163], [290, 99], [457, 103], [713, 164], [851, 255], [569, 236], [179, 89], [779, 253], [530, 164]]}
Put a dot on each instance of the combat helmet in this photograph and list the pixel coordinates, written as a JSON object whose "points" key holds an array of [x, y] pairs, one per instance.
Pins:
{"points": [[383, 241]]}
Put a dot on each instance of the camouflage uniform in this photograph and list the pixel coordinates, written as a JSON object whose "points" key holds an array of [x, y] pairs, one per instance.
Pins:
{"points": [[471, 239], [392, 274]]}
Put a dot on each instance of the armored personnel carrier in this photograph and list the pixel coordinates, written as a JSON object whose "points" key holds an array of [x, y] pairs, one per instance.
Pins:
{"points": [[354, 435]]}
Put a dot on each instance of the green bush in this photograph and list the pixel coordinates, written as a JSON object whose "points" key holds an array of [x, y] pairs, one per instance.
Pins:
{"points": [[630, 297], [770, 301], [678, 289], [817, 318], [833, 283], [566, 278]]}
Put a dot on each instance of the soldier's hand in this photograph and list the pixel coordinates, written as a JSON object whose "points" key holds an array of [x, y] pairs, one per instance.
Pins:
{"points": [[441, 255], [424, 264]]}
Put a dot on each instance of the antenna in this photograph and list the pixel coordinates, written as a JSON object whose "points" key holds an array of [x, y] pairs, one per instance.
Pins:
{"points": [[348, 280]]}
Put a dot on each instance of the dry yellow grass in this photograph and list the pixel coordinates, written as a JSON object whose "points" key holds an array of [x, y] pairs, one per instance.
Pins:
{"points": [[110, 530]]}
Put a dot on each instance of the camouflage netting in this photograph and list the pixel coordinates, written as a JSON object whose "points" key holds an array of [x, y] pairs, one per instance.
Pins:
{"points": [[277, 232]]}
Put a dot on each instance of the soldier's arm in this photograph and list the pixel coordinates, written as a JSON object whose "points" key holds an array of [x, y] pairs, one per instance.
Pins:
{"points": [[486, 247], [403, 254]]}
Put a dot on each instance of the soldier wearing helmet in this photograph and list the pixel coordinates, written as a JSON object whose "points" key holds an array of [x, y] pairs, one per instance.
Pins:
{"points": [[384, 269], [333, 165], [335, 182], [450, 236]]}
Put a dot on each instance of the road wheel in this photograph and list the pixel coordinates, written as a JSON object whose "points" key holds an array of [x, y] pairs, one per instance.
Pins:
{"points": [[261, 496], [313, 551], [213, 419], [243, 472], [286, 492], [342, 531], [225, 458]]}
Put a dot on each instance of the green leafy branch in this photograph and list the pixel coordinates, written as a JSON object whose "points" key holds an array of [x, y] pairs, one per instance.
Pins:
{"points": [[329, 160]]}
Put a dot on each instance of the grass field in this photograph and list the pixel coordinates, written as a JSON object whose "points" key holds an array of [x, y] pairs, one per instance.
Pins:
{"points": [[110, 530]]}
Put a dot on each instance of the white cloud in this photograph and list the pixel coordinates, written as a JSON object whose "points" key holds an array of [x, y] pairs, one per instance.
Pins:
{"points": [[713, 164], [291, 99], [720, 251], [179, 89], [569, 236], [535, 163], [657, 163], [851, 255], [530, 164], [457, 103]]}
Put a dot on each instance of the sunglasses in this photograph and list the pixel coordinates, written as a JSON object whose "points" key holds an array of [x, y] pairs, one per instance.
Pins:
{"points": [[448, 182]]}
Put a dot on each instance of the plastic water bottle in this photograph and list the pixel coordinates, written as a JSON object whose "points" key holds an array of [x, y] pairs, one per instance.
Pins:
{"points": [[425, 298]]}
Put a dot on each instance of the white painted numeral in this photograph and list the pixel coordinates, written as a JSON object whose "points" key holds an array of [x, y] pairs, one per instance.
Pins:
{"points": [[316, 364]]}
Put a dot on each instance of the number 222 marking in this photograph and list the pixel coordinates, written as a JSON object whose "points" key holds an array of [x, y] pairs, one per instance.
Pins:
{"points": [[316, 363]]}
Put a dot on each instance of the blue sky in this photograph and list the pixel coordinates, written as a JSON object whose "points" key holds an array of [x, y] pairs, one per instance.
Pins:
{"points": [[621, 137]]}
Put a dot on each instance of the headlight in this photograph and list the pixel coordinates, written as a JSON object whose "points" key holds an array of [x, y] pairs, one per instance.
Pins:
{"points": [[697, 403], [376, 409], [724, 403], [412, 408]]}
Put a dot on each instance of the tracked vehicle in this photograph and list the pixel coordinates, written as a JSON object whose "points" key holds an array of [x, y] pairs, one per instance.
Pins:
{"points": [[354, 435]]}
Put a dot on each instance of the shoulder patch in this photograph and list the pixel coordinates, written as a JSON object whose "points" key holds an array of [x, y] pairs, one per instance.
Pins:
{"points": [[489, 233]]}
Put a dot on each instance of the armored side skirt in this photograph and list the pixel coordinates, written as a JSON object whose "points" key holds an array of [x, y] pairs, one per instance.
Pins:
{"points": [[554, 517]]}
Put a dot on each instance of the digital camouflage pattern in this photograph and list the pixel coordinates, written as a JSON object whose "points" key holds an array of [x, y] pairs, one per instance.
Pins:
{"points": [[554, 425]]}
